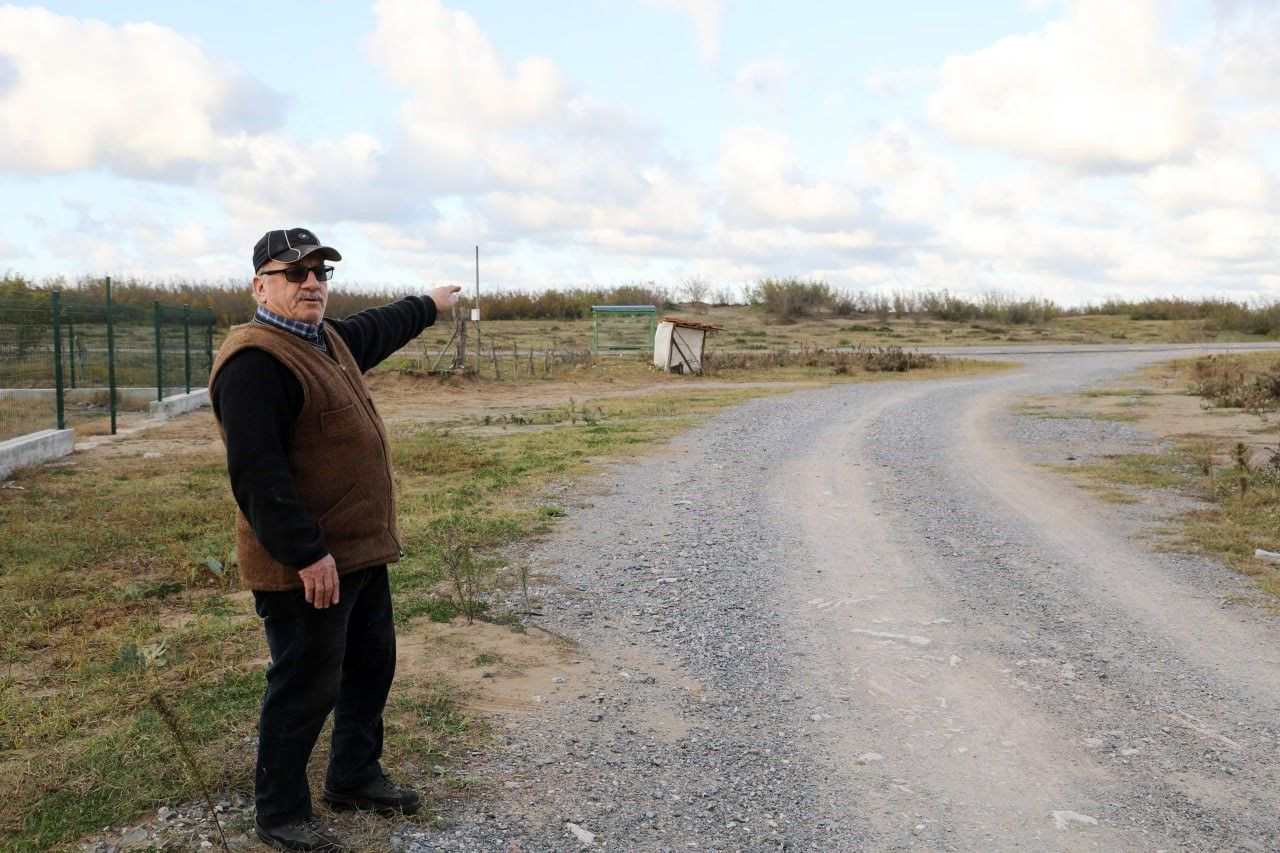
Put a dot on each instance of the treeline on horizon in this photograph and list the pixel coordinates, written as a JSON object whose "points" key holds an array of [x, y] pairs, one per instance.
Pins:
{"points": [[784, 299]]}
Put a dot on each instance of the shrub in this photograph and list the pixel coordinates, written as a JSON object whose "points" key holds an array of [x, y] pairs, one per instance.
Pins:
{"points": [[789, 298]]}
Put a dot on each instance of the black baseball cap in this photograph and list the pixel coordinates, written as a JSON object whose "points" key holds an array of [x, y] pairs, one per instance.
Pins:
{"points": [[288, 246]]}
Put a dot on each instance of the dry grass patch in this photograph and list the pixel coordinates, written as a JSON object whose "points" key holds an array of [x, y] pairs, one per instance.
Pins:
{"points": [[747, 328], [1224, 459]]}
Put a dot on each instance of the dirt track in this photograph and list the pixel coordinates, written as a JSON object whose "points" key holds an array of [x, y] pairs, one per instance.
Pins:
{"points": [[1033, 678], [863, 618]]}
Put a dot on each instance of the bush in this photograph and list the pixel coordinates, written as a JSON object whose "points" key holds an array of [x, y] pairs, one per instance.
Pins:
{"points": [[867, 359], [1228, 382], [790, 298]]}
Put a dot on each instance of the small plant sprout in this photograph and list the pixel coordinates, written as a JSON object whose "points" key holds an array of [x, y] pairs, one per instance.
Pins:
{"points": [[464, 572], [1243, 471]]}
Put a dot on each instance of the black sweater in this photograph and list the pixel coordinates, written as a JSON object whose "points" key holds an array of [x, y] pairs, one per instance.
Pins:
{"points": [[258, 400]]}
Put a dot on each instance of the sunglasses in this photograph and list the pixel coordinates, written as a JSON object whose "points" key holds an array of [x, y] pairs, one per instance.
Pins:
{"points": [[297, 275]]}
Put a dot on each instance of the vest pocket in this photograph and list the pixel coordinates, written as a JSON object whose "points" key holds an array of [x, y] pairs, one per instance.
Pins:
{"points": [[340, 421], [351, 517]]}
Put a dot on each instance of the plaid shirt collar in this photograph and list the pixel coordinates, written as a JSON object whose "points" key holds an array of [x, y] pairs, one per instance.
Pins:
{"points": [[306, 331]]}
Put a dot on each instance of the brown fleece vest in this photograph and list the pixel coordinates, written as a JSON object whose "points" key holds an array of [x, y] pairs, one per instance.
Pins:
{"points": [[339, 458]]}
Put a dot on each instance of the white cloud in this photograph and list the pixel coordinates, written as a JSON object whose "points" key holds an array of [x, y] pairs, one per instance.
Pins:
{"points": [[1209, 179], [762, 81], [1014, 195], [272, 176], [474, 123], [1247, 39], [456, 75], [764, 184], [140, 99], [538, 162], [1227, 234], [144, 231], [1096, 91], [913, 185], [708, 19]]}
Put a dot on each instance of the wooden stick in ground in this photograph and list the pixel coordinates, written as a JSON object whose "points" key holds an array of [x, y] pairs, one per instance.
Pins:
{"points": [[171, 723]]}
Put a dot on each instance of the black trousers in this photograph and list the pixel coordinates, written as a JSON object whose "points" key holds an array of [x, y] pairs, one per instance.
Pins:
{"points": [[340, 659]]}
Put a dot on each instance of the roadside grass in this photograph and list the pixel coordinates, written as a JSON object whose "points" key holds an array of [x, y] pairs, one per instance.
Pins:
{"points": [[1050, 413], [1232, 481], [109, 594], [1237, 509], [1138, 471]]}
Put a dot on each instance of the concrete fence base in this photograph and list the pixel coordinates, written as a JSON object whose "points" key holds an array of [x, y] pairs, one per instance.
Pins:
{"points": [[177, 404], [35, 448]]}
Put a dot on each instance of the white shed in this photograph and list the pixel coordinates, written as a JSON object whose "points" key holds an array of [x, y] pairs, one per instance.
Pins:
{"points": [[678, 344]]}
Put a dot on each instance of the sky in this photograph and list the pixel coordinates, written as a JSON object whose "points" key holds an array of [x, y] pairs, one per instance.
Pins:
{"points": [[1074, 150]]}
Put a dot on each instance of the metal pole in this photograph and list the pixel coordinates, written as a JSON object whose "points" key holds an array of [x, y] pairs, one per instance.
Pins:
{"points": [[159, 354], [186, 343], [111, 359], [208, 342], [476, 314], [56, 298], [71, 343]]}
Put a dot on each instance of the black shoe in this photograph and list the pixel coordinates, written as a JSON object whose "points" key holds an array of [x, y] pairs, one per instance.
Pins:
{"points": [[379, 796], [306, 834]]}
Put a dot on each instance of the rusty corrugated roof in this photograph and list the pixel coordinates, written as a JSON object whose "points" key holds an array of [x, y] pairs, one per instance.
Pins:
{"points": [[693, 324]]}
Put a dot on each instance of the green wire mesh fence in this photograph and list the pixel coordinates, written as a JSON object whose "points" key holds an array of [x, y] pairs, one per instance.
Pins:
{"points": [[67, 361]]}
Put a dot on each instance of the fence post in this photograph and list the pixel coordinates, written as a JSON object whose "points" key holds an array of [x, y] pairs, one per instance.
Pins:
{"points": [[56, 299], [159, 354], [186, 343], [111, 359], [208, 342], [71, 343]]}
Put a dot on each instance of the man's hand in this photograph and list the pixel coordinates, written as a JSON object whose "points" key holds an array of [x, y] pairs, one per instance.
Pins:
{"points": [[320, 582], [445, 297]]}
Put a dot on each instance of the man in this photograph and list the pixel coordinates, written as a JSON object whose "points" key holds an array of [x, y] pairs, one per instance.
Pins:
{"points": [[310, 469]]}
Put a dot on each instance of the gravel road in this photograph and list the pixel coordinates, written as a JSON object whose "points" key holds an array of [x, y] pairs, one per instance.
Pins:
{"points": [[863, 618]]}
